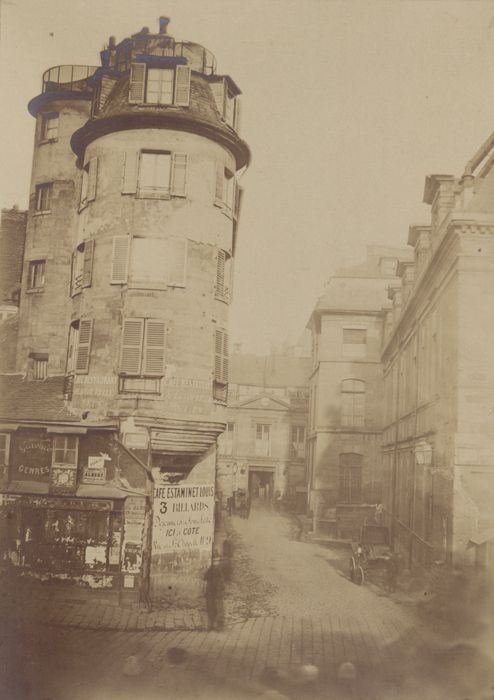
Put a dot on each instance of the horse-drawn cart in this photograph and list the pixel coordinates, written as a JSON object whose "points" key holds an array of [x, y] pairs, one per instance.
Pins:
{"points": [[372, 557]]}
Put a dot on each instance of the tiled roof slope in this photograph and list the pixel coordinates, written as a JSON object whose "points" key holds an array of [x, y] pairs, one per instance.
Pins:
{"points": [[270, 370], [37, 400]]}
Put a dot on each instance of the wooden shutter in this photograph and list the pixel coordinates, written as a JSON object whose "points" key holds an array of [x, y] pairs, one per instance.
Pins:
{"points": [[218, 90], [129, 175], [154, 348], [239, 193], [179, 174], [120, 259], [84, 338], [72, 274], [177, 262], [221, 356], [220, 273], [87, 265], [131, 350], [92, 179], [219, 184], [137, 83], [182, 86], [237, 117]]}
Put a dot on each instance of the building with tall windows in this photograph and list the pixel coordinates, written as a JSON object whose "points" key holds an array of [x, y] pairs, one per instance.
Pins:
{"points": [[439, 378], [262, 450], [346, 393], [109, 426]]}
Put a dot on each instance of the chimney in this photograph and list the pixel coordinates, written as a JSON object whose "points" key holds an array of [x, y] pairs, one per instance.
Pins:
{"points": [[164, 22]]}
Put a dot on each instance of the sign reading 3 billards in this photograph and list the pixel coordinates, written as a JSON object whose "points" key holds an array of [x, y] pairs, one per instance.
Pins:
{"points": [[183, 518]]}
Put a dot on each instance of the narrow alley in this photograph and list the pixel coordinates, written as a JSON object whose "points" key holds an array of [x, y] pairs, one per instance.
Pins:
{"points": [[310, 619]]}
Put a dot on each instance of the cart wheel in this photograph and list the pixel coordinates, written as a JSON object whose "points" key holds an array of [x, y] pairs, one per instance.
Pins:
{"points": [[359, 576], [353, 566]]}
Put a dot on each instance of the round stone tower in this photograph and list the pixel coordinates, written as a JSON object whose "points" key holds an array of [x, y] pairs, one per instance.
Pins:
{"points": [[136, 224]]}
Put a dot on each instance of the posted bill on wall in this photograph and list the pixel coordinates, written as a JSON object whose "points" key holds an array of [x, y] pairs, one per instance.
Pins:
{"points": [[183, 517]]}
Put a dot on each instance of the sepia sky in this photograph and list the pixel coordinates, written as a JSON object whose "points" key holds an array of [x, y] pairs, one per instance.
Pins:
{"points": [[346, 107]]}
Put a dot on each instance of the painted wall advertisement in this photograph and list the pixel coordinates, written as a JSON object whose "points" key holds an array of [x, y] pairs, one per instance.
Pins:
{"points": [[183, 517]]}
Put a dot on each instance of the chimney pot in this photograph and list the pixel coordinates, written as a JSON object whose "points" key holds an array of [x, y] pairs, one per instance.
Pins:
{"points": [[164, 22]]}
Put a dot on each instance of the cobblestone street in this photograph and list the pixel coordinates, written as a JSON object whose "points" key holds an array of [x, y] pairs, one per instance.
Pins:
{"points": [[308, 613]]}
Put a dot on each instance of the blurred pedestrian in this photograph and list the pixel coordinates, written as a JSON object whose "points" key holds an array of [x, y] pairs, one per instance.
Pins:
{"points": [[392, 570], [215, 591]]}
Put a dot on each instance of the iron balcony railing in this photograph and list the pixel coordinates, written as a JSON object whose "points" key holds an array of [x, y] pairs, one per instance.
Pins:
{"points": [[67, 78]]}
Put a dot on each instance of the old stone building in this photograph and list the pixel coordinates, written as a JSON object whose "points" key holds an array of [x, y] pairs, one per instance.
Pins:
{"points": [[123, 322], [439, 377], [12, 238], [262, 450], [346, 393]]}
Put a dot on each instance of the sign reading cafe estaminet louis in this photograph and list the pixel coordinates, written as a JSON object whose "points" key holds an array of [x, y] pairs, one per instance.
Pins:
{"points": [[183, 517]]}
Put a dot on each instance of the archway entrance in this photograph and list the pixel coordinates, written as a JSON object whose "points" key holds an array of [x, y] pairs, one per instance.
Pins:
{"points": [[261, 484]]}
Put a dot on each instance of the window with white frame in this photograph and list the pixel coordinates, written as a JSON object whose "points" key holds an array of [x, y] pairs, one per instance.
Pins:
{"points": [[350, 477], [49, 126], [149, 262], [298, 441], [36, 274], [153, 174], [263, 440], [4, 449], [226, 442], [79, 346], [43, 195], [65, 450], [221, 365], [352, 403], [142, 355], [82, 267], [223, 275], [159, 85], [355, 342]]}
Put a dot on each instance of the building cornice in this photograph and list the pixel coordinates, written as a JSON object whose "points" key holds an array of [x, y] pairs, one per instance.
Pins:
{"points": [[177, 121]]}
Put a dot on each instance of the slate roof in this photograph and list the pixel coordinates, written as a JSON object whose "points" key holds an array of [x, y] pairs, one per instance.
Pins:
{"points": [[36, 400], [270, 370]]}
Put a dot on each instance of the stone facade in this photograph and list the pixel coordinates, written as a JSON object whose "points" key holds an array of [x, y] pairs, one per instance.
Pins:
{"points": [[346, 394], [439, 377], [262, 451], [127, 280]]}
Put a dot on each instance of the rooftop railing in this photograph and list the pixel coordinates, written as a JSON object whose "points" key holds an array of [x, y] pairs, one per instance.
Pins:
{"points": [[67, 78]]}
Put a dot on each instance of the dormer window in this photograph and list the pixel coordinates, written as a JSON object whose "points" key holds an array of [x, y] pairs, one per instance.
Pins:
{"points": [[162, 85], [225, 95]]}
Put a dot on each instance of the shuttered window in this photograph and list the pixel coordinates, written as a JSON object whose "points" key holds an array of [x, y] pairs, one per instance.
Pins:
{"points": [[143, 347], [179, 174], [49, 126], [158, 262], [84, 338], [220, 365], [154, 348], [177, 262], [223, 276], [137, 82], [89, 182], [182, 86], [87, 265], [163, 86], [82, 266], [227, 195], [155, 174], [120, 259], [130, 170]]}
